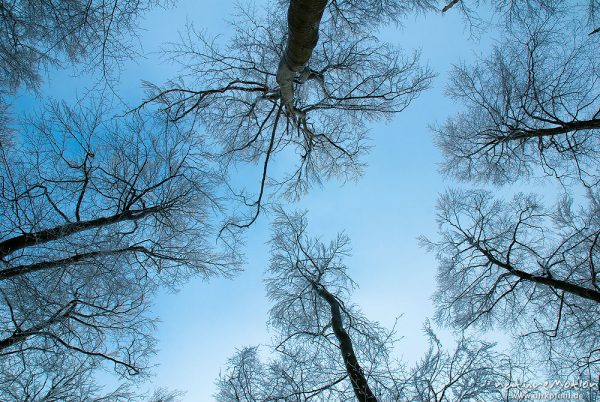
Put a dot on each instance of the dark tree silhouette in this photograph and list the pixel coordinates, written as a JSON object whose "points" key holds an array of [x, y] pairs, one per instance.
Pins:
{"points": [[234, 93], [534, 103], [531, 111], [526, 268], [325, 349], [38, 34], [308, 283], [95, 215]]}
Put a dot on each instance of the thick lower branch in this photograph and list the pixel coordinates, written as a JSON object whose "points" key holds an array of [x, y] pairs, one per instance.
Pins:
{"points": [[14, 339], [44, 265], [568, 287], [565, 128], [43, 236]]}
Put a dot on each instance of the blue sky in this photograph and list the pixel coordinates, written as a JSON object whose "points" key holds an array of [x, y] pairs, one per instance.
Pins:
{"points": [[383, 213]]}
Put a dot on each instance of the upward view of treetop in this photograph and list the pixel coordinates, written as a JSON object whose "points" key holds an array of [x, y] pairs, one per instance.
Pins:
{"points": [[532, 104], [532, 110], [96, 215], [101, 209], [38, 34], [260, 96], [325, 349]]}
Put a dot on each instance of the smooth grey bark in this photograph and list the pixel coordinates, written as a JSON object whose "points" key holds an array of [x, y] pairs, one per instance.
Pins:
{"points": [[304, 18]]}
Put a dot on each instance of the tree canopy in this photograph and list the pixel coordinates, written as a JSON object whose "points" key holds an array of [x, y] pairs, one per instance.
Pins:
{"points": [[234, 94], [102, 207], [530, 112], [325, 349]]}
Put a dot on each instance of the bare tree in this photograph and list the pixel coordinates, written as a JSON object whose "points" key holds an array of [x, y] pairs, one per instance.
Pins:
{"points": [[472, 371], [72, 379], [526, 268], [304, 19], [326, 350], [506, 13], [234, 93], [245, 378], [308, 283], [534, 103], [96, 214], [531, 110], [166, 395], [65, 378], [38, 34]]}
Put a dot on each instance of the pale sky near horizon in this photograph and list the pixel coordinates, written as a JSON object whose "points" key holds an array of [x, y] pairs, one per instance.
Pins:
{"points": [[383, 213]]}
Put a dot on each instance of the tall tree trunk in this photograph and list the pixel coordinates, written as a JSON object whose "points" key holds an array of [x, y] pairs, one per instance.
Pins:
{"points": [[355, 372], [304, 17]]}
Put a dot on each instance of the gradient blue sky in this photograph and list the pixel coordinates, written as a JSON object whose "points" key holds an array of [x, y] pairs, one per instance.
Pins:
{"points": [[383, 213]]}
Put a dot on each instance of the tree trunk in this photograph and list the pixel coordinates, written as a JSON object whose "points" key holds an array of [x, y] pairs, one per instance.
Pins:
{"points": [[357, 377], [304, 17]]}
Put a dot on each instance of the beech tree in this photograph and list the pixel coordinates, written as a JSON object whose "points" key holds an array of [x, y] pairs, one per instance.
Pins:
{"points": [[307, 281], [533, 103], [39, 34], [472, 371], [253, 112], [325, 349], [531, 111], [62, 379], [96, 214], [525, 267]]}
